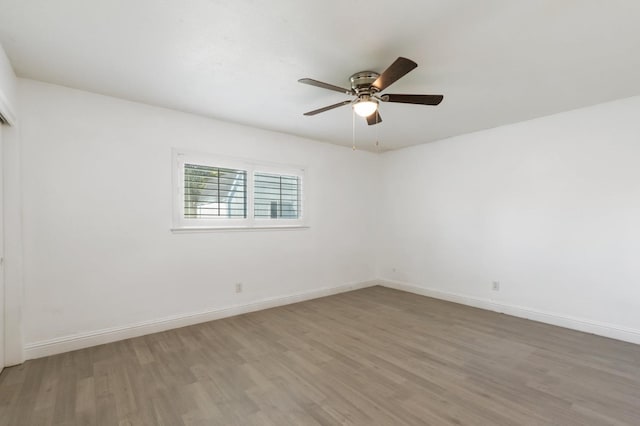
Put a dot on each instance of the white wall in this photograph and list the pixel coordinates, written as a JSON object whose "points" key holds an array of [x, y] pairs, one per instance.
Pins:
{"points": [[98, 251], [547, 207], [550, 208]]}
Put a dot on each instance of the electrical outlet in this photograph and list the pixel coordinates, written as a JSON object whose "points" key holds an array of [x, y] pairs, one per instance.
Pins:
{"points": [[496, 286], [238, 287]]}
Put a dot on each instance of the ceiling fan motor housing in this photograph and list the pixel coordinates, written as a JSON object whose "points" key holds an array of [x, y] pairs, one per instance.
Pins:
{"points": [[361, 82]]}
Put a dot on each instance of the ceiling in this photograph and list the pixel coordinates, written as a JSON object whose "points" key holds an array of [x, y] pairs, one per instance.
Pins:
{"points": [[496, 61]]}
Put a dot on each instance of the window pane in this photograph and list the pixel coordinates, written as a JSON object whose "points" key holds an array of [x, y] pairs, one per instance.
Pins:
{"points": [[276, 196], [214, 192]]}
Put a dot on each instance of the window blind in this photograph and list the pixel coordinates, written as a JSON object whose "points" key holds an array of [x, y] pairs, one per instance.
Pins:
{"points": [[276, 196], [214, 192]]}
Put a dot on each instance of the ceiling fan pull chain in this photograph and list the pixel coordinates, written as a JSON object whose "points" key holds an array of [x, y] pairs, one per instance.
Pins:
{"points": [[377, 134], [353, 126]]}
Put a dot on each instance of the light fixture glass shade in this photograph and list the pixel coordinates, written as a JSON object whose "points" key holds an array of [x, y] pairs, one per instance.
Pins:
{"points": [[365, 107]]}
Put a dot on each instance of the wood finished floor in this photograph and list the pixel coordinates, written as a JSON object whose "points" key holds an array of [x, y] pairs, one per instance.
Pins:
{"points": [[369, 357]]}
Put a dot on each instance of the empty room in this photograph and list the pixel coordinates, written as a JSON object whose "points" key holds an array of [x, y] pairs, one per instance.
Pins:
{"points": [[219, 212]]}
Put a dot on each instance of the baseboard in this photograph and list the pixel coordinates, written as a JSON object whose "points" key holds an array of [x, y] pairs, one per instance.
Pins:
{"points": [[108, 335], [99, 337], [580, 324]]}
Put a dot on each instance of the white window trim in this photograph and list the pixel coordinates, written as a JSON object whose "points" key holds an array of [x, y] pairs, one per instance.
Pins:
{"points": [[180, 223]]}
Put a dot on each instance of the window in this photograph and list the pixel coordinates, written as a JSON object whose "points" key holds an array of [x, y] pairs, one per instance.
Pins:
{"points": [[276, 196], [211, 192], [216, 192]]}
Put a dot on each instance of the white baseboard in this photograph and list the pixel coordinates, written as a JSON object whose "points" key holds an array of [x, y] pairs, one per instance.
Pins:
{"points": [[108, 335], [580, 324]]}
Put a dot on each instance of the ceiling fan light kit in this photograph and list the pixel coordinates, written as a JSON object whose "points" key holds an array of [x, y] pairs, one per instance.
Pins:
{"points": [[365, 106], [366, 87]]}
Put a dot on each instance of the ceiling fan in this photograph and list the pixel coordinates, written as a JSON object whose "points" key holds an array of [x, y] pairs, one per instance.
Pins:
{"points": [[366, 87]]}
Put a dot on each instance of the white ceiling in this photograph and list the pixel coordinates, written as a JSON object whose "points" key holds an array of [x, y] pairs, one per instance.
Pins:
{"points": [[496, 61]]}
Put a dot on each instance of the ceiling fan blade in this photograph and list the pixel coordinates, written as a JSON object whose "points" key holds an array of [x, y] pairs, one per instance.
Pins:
{"points": [[322, 85], [396, 70], [374, 118], [413, 99], [327, 108]]}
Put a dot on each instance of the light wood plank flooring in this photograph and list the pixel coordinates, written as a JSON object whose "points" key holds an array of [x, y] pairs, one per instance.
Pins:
{"points": [[369, 357]]}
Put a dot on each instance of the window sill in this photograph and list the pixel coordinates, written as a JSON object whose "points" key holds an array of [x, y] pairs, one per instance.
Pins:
{"points": [[195, 229]]}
